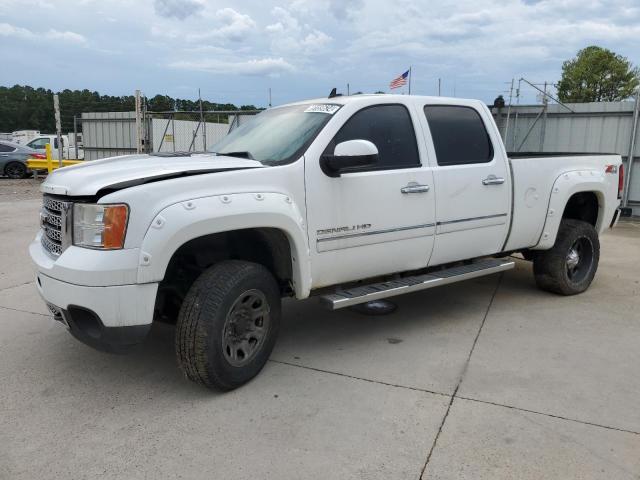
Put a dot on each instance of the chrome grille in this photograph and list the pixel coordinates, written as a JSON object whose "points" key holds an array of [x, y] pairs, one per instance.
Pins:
{"points": [[54, 222]]}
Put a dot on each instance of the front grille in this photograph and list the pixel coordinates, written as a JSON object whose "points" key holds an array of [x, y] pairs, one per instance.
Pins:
{"points": [[54, 220]]}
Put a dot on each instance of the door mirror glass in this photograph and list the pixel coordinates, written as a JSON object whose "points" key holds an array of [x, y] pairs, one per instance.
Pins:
{"points": [[348, 155]]}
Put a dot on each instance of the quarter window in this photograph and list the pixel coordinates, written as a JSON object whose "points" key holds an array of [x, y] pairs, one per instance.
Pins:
{"points": [[390, 129], [6, 148], [459, 135]]}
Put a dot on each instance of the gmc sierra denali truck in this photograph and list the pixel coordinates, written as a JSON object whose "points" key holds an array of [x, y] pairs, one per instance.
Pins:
{"points": [[350, 199]]}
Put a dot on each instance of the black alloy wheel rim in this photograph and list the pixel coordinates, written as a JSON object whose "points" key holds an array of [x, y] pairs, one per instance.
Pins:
{"points": [[15, 170], [579, 260]]}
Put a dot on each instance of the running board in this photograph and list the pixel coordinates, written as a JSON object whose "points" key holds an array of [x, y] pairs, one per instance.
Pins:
{"points": [[375, 291]]}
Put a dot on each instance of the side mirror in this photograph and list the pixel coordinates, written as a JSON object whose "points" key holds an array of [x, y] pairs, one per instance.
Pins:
{"points": [[348, 155]]}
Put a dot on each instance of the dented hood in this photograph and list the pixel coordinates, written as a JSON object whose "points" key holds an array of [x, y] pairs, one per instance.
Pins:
{"points": [[92, 176]]}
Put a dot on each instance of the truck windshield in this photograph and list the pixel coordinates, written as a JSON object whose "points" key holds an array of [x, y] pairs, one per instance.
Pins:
{"points": [[278, 135]]}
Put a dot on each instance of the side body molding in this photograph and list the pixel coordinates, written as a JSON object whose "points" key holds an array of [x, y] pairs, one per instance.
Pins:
{"points": [[178, 223], [566, 185]]}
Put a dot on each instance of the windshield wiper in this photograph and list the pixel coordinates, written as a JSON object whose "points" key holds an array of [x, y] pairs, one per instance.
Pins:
{"points": [[237, 154]]}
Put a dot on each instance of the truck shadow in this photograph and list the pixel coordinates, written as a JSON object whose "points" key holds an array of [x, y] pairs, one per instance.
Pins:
{"points": [[433, 317]]}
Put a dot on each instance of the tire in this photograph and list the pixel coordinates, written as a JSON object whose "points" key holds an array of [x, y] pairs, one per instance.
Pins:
{"points": [[219, 343], [569, 267], [15, 170]]}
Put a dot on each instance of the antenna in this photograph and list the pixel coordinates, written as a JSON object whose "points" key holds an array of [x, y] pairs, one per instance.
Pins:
{"points": [[334, 93]]}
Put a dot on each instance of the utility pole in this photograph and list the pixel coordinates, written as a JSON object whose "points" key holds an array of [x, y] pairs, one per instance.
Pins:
{"points": [[75, 137], [506, 128], [543, 127], [204, 125], [632, 148], [56, 108], [515, 120], [138, 123]]}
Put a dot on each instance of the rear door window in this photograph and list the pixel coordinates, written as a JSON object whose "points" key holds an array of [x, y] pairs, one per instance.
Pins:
{"points": [[6, 148], [459, 135]]}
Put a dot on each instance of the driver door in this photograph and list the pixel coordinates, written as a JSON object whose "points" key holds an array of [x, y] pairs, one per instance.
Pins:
{"points": [[376, 219]]}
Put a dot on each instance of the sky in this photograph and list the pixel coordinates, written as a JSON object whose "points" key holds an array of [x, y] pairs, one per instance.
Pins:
{"points": [[235, 51]]}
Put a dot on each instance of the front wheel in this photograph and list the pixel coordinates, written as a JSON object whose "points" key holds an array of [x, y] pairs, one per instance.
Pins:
{"points": [[15, 170], [569, 266], [228, 324]]}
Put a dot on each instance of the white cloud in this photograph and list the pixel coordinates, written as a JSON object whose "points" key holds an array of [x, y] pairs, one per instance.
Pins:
{"points": [[234, 26], [179, 9], [7, 30], [225, 25], [480, 43], [261, 67], [291, 37]]}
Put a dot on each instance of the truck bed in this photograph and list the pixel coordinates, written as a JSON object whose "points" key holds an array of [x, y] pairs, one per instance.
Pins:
{"points": [[534, 175]]}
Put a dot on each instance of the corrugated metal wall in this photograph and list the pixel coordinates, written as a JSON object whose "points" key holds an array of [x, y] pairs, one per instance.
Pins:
{"points": [[168, 135], [108, 134], [603, 127]]}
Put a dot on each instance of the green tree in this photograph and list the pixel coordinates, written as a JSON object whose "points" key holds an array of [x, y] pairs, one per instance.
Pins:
{"points": [[597, 75], [25, 107]]}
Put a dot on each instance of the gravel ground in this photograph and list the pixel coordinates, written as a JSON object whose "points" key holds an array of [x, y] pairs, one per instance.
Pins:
{"points": [[25, 189]]}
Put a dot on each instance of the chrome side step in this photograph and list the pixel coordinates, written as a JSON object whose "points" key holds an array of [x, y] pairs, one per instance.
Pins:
{"points": [[375, 291]]}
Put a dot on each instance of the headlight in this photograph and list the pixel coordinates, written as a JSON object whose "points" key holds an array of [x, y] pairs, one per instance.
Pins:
{"points": [[99, 226]]}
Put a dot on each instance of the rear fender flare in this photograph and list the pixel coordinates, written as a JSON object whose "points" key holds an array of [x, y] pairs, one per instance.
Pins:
{"points": [[565, 186]]}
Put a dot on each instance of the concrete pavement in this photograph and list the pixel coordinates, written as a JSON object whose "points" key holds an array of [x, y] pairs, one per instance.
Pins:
{"points": [[486, 379]]}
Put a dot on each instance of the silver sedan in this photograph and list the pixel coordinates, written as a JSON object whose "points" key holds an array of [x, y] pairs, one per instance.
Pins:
{"points": [[13, 159]]}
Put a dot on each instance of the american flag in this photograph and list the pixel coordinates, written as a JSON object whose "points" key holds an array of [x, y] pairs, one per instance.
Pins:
{"points": [[400, 81]]}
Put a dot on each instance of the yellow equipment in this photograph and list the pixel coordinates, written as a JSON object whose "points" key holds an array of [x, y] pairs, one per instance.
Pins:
{"points": [[48, 164]]}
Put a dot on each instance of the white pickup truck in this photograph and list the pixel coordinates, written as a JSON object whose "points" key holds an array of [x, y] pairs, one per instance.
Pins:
{"points": [[350, 199]]}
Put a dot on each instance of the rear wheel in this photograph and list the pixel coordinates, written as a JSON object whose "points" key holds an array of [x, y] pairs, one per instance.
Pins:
{"points": [[228, 324], [569, 267], [15, 170]]}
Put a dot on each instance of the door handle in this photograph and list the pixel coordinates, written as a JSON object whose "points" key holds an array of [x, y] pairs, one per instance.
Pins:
{"points": [[493, 180], [415, 188]]}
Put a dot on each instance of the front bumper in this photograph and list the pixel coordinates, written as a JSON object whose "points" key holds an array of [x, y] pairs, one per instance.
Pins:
{"points": [[108, 317]]}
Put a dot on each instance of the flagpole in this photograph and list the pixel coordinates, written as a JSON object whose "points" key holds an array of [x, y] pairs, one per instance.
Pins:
{"points": [[410, 75]]}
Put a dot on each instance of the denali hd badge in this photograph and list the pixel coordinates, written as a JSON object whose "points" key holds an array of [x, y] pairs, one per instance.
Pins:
{"points": [[349, 229]]}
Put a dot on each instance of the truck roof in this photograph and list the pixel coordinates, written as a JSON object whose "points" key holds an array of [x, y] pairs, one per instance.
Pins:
{"points": [[368, 97]]}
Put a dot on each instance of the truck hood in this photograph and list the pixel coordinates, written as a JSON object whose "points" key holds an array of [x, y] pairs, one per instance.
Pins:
{"points": [[110, 174]]}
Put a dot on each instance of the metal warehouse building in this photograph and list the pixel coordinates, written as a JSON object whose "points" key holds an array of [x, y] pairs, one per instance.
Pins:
{"points": [[603, 127]]}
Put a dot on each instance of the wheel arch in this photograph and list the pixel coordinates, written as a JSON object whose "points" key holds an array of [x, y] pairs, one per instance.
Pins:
{"points": [[579, 195], [264, 228], [269, 247]]}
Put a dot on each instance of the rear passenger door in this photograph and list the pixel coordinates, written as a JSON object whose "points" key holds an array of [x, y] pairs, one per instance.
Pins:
{"points": [[472, 183]]}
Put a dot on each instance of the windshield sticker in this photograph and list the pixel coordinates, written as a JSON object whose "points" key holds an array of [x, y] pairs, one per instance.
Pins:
{"points": [[323, 108]]}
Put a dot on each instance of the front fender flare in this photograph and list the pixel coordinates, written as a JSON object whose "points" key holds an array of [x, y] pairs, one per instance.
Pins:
{"points": [[184, 221]]}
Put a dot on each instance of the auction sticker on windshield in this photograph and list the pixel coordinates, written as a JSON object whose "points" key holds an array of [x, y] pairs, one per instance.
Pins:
{"points": [[323, 108]]}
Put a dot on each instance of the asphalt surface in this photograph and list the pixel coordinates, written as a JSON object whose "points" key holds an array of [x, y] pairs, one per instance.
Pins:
{"points": [[488, 379]]}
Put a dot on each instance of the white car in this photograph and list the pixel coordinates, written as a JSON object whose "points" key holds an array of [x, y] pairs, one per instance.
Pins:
{"points": [[351, 199]]}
